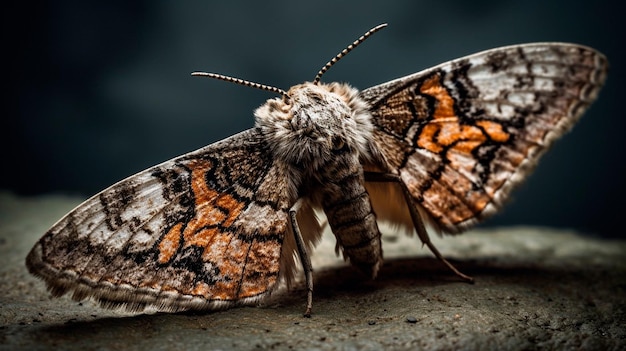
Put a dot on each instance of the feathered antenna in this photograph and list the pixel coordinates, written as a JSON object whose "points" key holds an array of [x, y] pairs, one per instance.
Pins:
{"points": [[345, 51], [242, 82]]}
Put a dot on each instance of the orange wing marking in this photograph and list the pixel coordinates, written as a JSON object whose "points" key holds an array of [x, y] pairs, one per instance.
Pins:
{"points": [[213, 210], [445, 129]]}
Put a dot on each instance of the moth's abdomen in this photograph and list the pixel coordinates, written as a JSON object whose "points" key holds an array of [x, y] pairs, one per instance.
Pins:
{"points": [[353, 222]]}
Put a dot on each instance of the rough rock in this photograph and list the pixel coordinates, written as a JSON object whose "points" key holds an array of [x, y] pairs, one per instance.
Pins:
{"points": [[536, 288]]}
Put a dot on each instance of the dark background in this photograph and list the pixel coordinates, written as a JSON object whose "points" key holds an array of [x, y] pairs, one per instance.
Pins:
{"points": [[98, 91]]}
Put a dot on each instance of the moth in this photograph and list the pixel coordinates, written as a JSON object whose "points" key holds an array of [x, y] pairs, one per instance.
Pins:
{"points": [[223, 225]]}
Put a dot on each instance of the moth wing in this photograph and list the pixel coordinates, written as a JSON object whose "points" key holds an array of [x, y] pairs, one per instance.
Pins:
{"points": [[201, 231], [463, 134]]}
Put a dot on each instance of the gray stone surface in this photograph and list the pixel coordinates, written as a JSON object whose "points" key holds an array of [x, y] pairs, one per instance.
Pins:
{"points": [[535, 288]]}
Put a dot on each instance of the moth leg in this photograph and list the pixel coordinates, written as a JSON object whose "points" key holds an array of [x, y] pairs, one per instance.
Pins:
{"points": [[303, 254], [415, 216]]}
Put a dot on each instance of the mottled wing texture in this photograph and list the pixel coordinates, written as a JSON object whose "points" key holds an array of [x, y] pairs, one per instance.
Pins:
{"points": [[462, 134], [201, 231]]}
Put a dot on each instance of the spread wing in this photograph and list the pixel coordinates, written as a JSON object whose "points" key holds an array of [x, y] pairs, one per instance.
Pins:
{"points": [[462, 134], [201, 231]]}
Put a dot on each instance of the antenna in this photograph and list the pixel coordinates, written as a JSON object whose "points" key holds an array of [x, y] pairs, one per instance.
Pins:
{"points": [[242, 82], [316, 81], [345, 51]]}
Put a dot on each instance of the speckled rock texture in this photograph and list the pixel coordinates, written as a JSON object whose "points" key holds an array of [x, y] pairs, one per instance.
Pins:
{"points": [[536, 288]]}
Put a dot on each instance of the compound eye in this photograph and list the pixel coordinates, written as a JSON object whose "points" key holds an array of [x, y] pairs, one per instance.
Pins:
{"points": [[338, 142]]}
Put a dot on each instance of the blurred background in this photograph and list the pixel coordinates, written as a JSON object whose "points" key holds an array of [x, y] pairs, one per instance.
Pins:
{"points": [[96, 91]]}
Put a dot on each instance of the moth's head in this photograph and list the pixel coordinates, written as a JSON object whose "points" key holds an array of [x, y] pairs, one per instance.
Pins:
{"points": [[312, 123]]}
